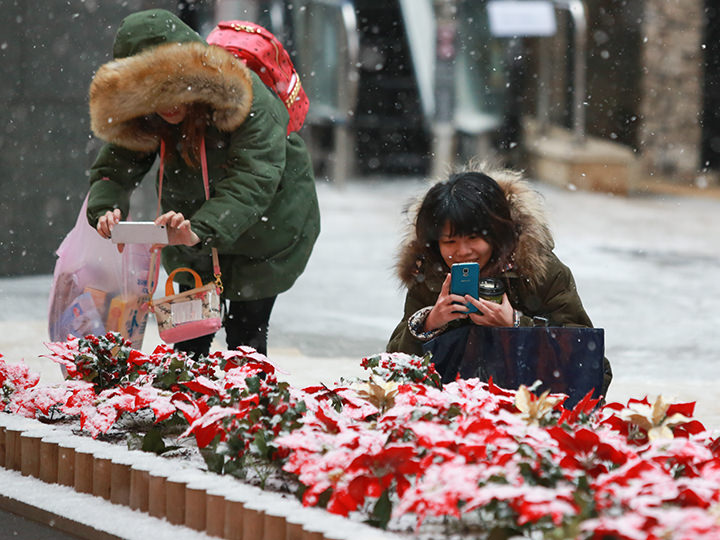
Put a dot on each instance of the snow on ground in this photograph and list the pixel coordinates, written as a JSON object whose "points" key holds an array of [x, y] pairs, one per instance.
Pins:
{"points": [[647, 269], [88, 510]]}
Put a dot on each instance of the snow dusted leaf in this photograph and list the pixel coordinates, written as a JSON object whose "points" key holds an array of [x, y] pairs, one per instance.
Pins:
{"points": [[203, 385], [81, 394], [190, 408], [432, 434], [14, 378], [64, 354], [41, 399], [137, 358], [159, 401], [685, 522], [247, 356], [629, 526], [162, 407], [98, 420]]}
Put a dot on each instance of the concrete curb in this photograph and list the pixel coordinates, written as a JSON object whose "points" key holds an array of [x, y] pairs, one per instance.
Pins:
{"points": [[207, 503]]}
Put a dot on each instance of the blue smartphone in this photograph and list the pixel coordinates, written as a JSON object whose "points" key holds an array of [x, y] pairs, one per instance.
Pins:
{"points": [[464, 279]]}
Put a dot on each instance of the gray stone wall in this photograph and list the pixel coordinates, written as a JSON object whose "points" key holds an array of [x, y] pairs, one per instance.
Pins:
{"points": [[49, 51], [671, 88]]}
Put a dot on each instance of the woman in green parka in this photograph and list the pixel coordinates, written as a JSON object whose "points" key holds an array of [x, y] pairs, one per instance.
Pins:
{"points": [[495, 220], [166, 84]]}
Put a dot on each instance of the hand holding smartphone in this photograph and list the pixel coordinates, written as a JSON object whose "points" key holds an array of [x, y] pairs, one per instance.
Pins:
{"points": [[464, 279], [139, 232]]}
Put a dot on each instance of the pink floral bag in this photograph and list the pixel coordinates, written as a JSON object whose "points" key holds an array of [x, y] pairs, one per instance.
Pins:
{"points": [[189, 314]]}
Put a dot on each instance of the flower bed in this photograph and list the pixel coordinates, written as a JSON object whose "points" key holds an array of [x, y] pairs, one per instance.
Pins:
{"points": [[397, 449]]}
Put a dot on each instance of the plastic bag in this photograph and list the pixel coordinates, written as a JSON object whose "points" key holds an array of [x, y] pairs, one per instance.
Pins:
{"points": [[97, 289]]}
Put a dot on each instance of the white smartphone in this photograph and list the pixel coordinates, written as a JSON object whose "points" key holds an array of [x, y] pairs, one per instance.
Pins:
{"points": [[139, 232]]}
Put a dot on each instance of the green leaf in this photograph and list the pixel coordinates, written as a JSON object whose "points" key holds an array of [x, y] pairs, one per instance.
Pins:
{"points": [[260, 443], [254, 415], [176, 422], [235, 468], [176, 364], [381, 512], [215, 461], [153, 442], [253, 384], [501, 533], [166, 380], [134, 441]]}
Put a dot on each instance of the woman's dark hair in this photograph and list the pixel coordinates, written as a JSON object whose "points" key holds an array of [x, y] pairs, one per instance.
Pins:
{"points": [[472, 203], [189, 135]]}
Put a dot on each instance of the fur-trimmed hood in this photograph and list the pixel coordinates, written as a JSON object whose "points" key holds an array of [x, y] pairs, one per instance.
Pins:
{"points": [[182, 69], [535, 242]]}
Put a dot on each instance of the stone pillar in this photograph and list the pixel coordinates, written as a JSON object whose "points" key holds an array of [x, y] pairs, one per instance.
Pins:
{"points": [[445, 53], [671, 88]]}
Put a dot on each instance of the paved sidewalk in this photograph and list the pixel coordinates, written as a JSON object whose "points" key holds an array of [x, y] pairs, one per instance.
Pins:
{"points": [[646, 268]]}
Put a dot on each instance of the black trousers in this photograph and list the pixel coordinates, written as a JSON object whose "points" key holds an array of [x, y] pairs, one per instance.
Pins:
{"points": [[245, 323]]}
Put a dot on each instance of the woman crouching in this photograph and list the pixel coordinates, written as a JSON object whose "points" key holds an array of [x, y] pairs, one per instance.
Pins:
{"points": [[497, 222]]}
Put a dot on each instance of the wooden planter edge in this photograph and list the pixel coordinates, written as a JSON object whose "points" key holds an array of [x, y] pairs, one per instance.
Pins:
{"points": [[205, 502]]}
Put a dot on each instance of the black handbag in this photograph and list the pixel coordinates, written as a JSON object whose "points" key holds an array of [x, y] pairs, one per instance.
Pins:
{"points": [[565, 359]]}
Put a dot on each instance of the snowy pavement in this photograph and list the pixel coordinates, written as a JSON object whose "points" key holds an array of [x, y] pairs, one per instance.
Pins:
{"points": [[647, 269]]}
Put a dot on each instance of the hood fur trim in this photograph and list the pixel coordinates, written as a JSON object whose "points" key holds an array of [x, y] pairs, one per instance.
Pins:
{"points": [[126, 90], [535, 242]]}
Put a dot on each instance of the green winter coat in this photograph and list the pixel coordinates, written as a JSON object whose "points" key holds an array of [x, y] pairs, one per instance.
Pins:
{"points": [[539, 285], [262, 214]]}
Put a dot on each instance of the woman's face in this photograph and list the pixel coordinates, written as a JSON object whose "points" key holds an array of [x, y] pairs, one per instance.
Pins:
{"points": [[461, 249], [173, 115]]}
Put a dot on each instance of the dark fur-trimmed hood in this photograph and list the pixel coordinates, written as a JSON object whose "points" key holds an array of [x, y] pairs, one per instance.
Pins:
{"points": [[125, 91], [535, 242]]}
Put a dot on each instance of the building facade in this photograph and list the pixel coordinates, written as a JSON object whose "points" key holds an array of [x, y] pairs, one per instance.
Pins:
{"points": [[653, 85], [652, 71]]}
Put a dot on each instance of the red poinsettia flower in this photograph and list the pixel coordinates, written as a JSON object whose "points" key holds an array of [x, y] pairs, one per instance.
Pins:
{"points": [[209, 425], [589, 450], [137, 358], [432, 435], [583, 407], [247, 356], [630, 526], [203, 385], [64, 354], [683, 523], [192, 409], [81, 395]]}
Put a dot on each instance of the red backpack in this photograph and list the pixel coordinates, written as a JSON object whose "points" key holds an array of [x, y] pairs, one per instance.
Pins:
{"points": [[264, 54]]}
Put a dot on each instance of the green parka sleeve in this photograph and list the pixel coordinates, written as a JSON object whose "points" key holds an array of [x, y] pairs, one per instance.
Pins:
{"points": [[402, 340], [554, 298], [115, 173]]}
